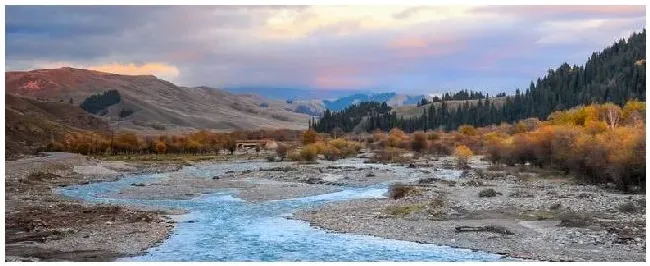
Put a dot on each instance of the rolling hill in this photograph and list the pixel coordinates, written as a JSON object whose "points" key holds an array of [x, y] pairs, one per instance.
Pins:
{"points": [[156, 104], [31, 124]]}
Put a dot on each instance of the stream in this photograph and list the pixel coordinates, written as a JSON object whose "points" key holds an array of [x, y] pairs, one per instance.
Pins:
{"points": [[222, 227]]}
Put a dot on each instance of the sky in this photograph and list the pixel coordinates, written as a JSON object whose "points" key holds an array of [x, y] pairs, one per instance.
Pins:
{"points": [[405, 49]]}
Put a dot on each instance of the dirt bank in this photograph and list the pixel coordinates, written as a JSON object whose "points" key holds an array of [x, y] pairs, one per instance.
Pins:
{"points": [[42, 226]]}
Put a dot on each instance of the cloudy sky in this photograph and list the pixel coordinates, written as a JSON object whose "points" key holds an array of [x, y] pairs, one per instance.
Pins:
{"points": [[409, 49]]}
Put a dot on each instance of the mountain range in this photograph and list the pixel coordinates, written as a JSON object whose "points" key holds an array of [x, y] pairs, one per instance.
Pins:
{"points": [[148, 103]]}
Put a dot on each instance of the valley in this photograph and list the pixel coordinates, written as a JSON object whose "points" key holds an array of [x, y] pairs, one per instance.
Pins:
{"points": [[333, 134]]}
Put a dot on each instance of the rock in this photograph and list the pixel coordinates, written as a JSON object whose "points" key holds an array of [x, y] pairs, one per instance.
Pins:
{"points": [[138, 184], [370, 174], [555, 206], [216, 177]]}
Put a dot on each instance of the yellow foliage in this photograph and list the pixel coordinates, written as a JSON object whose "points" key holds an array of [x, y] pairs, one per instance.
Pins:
{"points": [[467, 130], [463, 153], [309, 137]]}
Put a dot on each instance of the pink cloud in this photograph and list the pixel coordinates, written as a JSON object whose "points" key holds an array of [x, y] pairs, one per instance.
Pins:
{"points": [[333, 82], [418, 47]]}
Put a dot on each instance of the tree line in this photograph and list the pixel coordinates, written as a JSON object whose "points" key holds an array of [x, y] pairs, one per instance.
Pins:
{"points": [[98, 102], [617, 75]]}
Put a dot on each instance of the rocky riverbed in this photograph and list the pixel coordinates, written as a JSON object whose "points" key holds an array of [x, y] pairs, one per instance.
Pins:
{"points": [[43, 226], [527, 215], [523, 216]]}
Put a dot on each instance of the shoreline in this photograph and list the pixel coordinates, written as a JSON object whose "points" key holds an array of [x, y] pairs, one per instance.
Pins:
{"points": [[43, 225]]}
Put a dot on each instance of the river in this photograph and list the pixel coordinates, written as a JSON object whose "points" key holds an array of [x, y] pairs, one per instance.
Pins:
{"points": [[222, 227]]}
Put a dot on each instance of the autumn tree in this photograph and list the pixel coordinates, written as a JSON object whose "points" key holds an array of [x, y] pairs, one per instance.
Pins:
{"points": [[309, 137], [467, 130], [230, 144], [611, 114], [419, 141], [161, 147], [463, 153]]}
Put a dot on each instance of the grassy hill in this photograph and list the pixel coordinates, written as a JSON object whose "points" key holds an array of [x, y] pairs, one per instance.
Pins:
{"points": [[31, 124]]}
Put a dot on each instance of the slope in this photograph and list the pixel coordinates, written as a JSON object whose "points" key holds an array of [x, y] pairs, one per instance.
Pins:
{"points": [[155, 103]]}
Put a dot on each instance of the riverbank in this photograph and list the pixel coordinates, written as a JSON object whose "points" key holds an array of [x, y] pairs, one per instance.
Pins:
{"points": [[41, 225], [531, 215], [526, 216]]}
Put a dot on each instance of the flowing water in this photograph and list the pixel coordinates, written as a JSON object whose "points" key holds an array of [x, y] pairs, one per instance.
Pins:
{"points": [[221, 227]]}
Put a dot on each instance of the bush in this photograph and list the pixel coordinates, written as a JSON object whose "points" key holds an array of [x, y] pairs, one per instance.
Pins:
{"points": [[389, 154], [294, 156], [331, 153], [281, 151], [309, 137], [309, 153], [627, 207], [463, 153], [398, 191], [573, 219], [487, 193], [419, 142]]}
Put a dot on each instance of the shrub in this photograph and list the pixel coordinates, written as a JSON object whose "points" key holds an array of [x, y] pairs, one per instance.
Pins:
{"points": [[389, 154], [467, 130], [309, 153], [627, 207], [309, 137], [573, 219], [294, 156], [282, 151], [487, 193], [419, 142], [331, 153], [125, 112], [398, 191], [463, 153]]}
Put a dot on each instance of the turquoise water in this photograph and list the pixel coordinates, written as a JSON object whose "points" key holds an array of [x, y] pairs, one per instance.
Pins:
{"points": [[222, 227]]}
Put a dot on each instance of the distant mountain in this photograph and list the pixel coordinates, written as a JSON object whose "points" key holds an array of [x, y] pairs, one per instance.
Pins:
{"points": [[391, 98], [314, 101], [294, 93], [148, 103]]}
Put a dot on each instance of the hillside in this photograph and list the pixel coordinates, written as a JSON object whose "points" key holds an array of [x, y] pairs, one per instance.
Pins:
{"points": [[31, 124], [156, 103], [408, 111], [616, 74]]}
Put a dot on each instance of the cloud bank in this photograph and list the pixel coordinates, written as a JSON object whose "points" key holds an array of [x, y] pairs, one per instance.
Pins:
{"points": [[410, 49]]}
